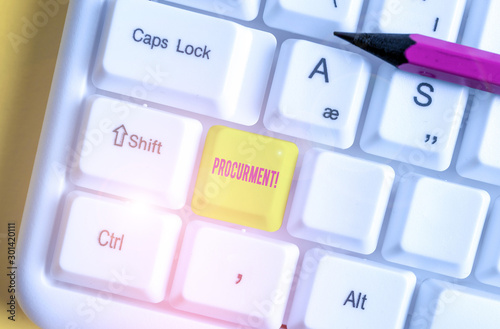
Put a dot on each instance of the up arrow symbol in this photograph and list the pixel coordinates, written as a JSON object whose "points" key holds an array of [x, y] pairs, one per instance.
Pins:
{"points": [[120, 132]]}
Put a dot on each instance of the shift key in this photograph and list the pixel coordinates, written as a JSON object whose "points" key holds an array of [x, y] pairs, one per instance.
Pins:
{"points": [[186, 60], [136, 152]]}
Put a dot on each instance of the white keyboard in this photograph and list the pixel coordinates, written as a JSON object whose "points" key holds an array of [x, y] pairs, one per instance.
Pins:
{"points": [[231, 164]]}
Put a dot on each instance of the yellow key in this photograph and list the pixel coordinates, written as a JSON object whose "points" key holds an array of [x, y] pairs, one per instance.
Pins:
{"points": [[244, 178]]}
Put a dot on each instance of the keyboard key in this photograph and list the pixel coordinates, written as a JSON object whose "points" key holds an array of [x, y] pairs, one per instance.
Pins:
{"points": [[435, 225], [136, 152], [432, 18], [487, 269], [442, 305], [186, 60], [234, 276], [316, 19], [338, 291], [244, 178], [340, 201], [242, 9], [413, 119], [479, 156], [317, 93], [121, 248], [481, 30]]}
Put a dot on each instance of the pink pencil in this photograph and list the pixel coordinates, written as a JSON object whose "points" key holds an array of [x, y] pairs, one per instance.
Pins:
{"points": [[433, 58]]}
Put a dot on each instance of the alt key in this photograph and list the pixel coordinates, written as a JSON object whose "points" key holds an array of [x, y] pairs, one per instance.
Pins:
{"points": [[338, 291]]}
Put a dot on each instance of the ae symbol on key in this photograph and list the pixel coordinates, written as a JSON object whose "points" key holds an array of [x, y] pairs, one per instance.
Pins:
{"points": [[331, 114]]}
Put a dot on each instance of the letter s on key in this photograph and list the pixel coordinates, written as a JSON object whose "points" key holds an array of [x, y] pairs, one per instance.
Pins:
{"points": [[426, 95]]}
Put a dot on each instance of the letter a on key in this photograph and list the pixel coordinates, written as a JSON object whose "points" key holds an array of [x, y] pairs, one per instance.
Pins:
{"points": [[321, 63], [351, 299]]}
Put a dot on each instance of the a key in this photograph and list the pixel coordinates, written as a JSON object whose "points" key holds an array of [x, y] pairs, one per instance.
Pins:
{"points": [[481, 30], [136, 152], [244, 178], [487, 269], [479, 156], [442, 305], [413, 119], [242, 9], [435, 225], [318, 18], [120, 248], [338, 291], [437, 19], [186, 60], [234, 276], [340, 201], [317, 93]]}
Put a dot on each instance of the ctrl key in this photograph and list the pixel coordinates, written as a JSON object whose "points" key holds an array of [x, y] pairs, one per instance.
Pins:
{"points": [[342, 292], [117, 247]]}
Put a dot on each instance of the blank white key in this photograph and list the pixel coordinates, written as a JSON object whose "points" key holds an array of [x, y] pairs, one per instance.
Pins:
{"points": [[413, 119], [243, 9], [488, 265], [316, 18], [186, 60], [479, 156], [481, 30], [233, 276], [136, 152], [435, 225], [317, 93], [442, 305], [340, 201], [342, 292], [438, 19], [121, 248]]}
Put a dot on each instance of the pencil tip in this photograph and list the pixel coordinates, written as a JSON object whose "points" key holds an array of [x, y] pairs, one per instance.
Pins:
{"points": [[389, 47], [345, 35]]}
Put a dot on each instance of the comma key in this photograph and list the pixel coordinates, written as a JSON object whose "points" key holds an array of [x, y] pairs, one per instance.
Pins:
{"points": [[234, 276]]}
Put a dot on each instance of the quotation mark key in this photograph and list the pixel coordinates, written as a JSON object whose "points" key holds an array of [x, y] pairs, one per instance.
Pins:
{"points": [[428, 138]]}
